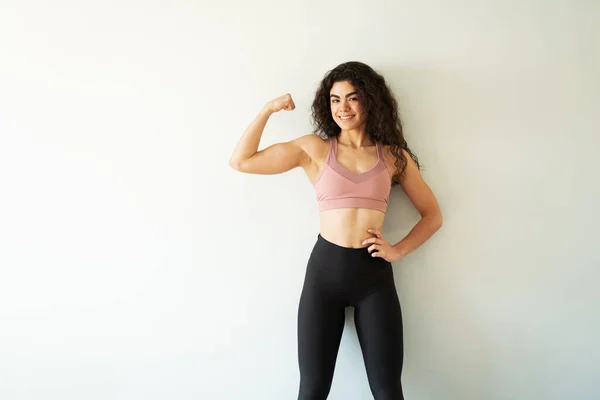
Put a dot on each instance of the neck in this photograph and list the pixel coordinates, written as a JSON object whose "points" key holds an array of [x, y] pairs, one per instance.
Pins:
{"points": [[355, 138]]}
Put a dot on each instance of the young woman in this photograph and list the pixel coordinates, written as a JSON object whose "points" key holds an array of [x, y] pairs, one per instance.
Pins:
{"points": [[357, 154]]}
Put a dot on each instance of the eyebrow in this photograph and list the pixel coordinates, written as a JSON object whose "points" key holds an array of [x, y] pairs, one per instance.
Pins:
{"points": [[348, 95]]}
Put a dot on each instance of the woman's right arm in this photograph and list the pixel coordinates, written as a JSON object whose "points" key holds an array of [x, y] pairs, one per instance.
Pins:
{"points": [[275, 159]]}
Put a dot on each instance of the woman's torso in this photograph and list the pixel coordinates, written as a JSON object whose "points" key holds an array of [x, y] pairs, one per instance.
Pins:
{"points": [[347, 227]]}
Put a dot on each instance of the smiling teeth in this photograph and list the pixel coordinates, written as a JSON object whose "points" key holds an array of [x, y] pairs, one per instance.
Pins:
{"points": [[347, 117]]}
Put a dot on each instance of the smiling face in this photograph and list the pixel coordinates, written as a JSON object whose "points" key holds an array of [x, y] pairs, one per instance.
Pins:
{"points": [[345, 106]]}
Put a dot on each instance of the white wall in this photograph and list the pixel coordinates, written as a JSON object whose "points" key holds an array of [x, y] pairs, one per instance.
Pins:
{"points": [[135, 264]]}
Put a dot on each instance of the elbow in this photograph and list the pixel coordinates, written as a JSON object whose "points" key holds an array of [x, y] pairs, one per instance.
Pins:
{"points": [[435, 220], [438, 221], [235, 164]]}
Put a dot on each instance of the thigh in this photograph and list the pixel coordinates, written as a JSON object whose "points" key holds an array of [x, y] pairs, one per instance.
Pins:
{"points": [[378, 319]]}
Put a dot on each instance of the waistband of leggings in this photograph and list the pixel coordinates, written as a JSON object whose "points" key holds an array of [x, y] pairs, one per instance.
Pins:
{"points": [[326, 248], [349, 257], [326, 243]]}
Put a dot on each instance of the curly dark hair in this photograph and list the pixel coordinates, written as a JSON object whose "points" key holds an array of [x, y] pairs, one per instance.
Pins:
{"points": [[383, 121]]}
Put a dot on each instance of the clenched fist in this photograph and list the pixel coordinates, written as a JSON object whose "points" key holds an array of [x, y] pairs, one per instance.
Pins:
{"points": [[284, 102]]}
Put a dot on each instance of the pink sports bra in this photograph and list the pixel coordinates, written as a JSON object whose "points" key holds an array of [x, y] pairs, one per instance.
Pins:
{"points": [[337, 187]]}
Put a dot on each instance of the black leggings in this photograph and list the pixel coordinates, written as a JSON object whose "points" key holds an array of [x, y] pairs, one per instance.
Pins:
{"points": [[338, 277]]}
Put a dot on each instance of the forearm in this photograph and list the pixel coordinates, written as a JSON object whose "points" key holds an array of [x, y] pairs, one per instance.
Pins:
{"points": [[250, 140], [422, 231]]}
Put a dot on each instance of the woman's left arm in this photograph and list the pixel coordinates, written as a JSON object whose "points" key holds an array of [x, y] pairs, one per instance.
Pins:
{"points": [[424, 200], [426, 204]]}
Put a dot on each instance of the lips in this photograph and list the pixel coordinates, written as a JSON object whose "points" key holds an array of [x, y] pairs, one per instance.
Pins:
{"points": [[346, 117]]}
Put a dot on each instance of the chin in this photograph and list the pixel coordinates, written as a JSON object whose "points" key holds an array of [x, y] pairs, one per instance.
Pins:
{"points": [[349, 127]]}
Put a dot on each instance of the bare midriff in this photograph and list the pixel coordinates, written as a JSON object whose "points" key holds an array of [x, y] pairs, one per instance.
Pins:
{"points": [[348, 227]]}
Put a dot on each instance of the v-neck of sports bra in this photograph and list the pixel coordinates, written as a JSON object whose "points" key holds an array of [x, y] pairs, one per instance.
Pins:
{"points": [[354, 176]]}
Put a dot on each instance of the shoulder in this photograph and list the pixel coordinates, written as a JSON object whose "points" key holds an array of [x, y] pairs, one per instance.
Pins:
{"points": [[387, 152], [312, 144], [391, 158], [310, 139], [306, 149]]}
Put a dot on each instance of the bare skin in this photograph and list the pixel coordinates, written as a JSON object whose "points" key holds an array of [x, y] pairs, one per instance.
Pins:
{"points": [[348, 227]]}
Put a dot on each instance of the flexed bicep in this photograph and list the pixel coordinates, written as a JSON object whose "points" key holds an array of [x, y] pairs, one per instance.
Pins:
{"points": [[275, 159]]}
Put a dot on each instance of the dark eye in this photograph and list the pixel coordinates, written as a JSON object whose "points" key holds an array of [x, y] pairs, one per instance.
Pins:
{"points": [[354, 98]]}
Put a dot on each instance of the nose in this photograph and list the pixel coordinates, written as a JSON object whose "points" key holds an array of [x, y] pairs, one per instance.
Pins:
{"points": [[344, 104]]}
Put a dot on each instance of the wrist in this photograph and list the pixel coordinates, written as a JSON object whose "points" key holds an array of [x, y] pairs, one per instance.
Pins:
{"points": [[400, 249], [267, 110]]}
